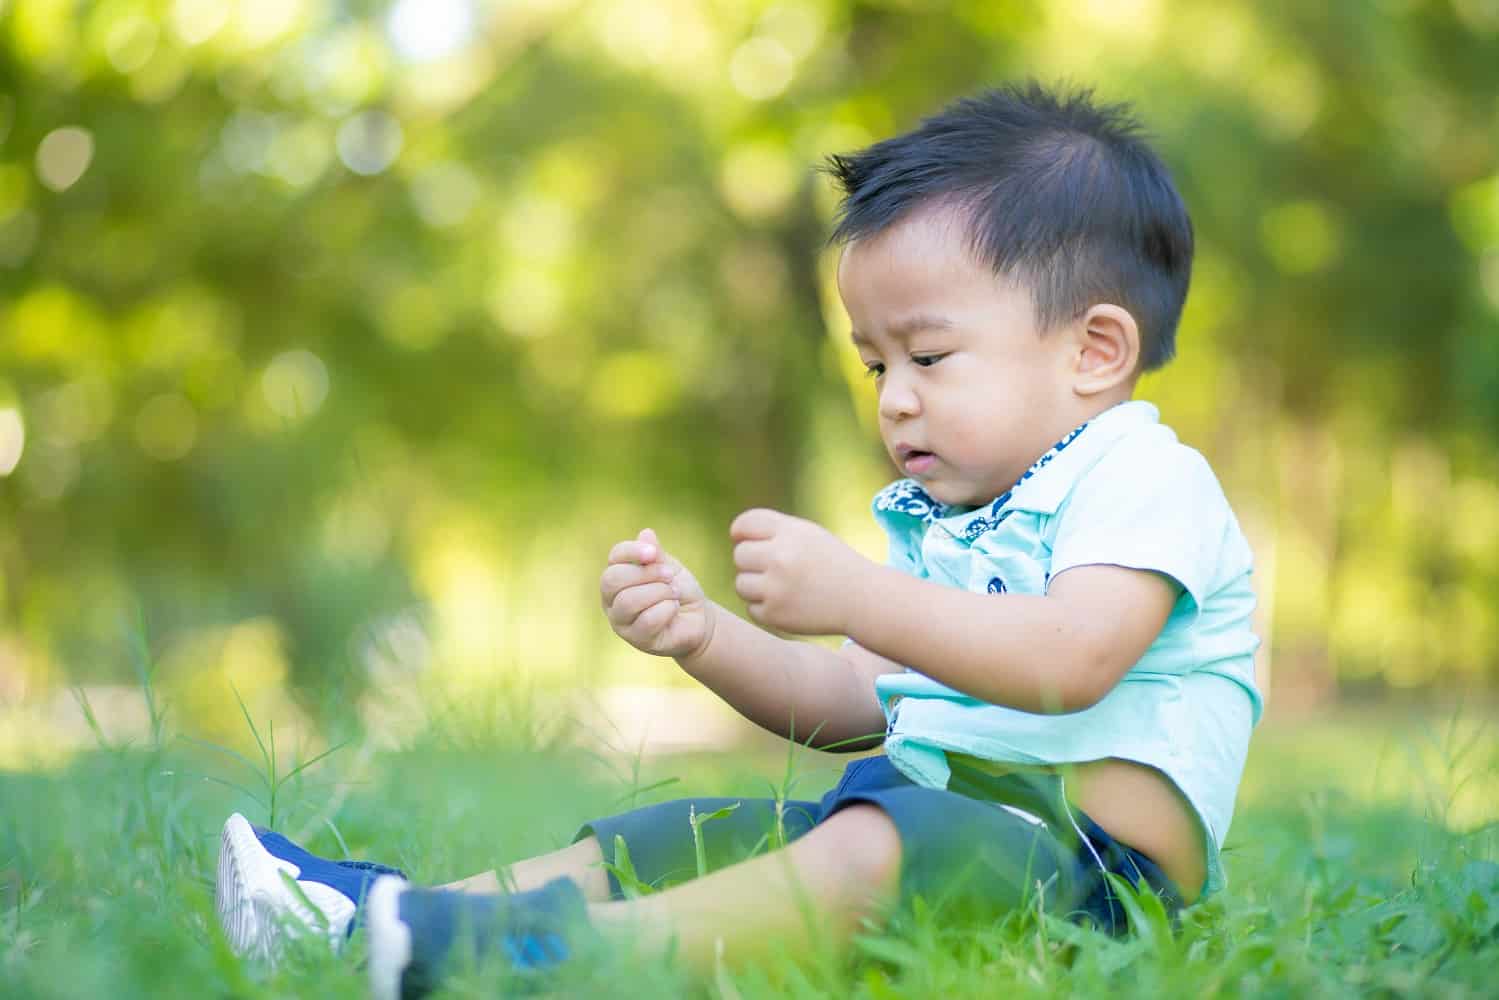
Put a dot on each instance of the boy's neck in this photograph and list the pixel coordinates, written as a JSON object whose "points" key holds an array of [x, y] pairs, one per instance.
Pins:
{"points": [[1076, 417], [1088, 410], [1057, 430]]}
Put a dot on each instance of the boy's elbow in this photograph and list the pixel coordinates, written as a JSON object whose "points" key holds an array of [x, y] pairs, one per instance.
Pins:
{"points": [[1064, 696], [1069, 699], [1083, 698], [1092, 675]]}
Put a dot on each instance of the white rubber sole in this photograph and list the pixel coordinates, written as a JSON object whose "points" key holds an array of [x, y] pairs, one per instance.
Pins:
{"points": [[257, 906], [389, 938]]}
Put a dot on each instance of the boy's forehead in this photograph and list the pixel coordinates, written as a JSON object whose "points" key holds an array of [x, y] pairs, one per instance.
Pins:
{"points": [[927, 258], [908, 324]]}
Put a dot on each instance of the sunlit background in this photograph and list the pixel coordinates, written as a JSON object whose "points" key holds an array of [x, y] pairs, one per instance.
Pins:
{"points": [[339, 339]]}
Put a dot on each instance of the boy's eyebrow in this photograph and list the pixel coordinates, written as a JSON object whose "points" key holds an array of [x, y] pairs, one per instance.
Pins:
{"points": [[908, 325]]}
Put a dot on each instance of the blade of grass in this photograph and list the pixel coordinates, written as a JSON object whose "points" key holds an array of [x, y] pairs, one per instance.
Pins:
{"points": [[306, 764], [229, 784], [623, 869], [634, 793], [697, 822], [255, 732], [88, 716], [140, 649], [232, 754]]}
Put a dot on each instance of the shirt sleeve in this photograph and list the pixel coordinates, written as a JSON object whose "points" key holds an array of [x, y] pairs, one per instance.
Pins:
{"points": [[1149, 506]]}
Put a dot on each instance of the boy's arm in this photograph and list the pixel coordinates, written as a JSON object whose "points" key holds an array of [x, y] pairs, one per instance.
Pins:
{"points": [[794, 689], [791, 688], [1061, 652]]}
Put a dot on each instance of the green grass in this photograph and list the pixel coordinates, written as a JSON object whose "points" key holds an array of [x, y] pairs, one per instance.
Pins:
{"points": [[1356, 868]]}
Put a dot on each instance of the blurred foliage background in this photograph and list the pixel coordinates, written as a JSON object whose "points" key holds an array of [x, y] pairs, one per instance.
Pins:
{"points": [[339, 339]]}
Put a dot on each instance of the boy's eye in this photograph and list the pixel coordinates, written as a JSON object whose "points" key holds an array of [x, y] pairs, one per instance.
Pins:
{"points": [[874, 369], [927, 360]]}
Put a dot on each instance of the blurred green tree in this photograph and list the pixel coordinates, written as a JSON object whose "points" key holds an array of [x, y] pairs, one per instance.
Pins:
{"points": [[305, 303]]}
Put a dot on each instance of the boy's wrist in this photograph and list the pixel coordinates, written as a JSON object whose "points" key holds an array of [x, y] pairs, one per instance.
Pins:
{"points": [[690, 659], [867, 600]]}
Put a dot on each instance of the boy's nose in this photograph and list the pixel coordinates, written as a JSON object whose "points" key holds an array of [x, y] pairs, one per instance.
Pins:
{"points": [[898, 401]]}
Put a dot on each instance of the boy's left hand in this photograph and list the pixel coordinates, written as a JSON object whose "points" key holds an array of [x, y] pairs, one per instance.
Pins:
{"points": [[793, 574]]}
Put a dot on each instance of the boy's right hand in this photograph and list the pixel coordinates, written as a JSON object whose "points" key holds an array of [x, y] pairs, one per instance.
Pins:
{"points": [[653, 602]]}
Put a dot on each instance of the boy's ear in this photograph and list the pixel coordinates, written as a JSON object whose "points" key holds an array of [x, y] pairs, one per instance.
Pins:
{"points": [[1107, 349]]}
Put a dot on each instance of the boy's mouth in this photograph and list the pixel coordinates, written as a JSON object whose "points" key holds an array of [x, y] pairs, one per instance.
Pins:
{"points": [[915, 461]]}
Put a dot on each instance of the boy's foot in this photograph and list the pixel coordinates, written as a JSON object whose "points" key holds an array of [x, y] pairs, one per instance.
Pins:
{"points": [[416, 936], [268, 887]]}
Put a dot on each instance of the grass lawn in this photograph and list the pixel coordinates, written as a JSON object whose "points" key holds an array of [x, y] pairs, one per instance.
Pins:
{"points": [[1364, 859]]}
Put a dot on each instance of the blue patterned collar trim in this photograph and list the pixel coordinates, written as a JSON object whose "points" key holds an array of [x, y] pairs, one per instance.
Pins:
{"points": [[906, 496]]}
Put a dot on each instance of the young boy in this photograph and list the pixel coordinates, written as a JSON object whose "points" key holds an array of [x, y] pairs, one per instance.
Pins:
{"points": [[1057, 656]]}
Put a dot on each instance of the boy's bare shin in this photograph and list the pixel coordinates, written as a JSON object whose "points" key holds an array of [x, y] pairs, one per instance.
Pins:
{"points": [[582, 862], [815, 893]]}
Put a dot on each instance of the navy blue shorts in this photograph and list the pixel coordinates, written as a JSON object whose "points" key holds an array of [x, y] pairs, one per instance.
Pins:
{"points": [[984, 845]]}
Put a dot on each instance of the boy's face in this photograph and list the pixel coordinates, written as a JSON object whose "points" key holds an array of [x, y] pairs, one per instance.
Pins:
{"points": [[970, 391]]}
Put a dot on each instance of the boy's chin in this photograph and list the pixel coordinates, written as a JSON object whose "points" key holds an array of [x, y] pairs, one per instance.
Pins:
{"points": [[951, 494]]}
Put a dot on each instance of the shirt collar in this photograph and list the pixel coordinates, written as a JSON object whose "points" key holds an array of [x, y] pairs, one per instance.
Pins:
{"points": [[1047, 483], [1042, 487]]}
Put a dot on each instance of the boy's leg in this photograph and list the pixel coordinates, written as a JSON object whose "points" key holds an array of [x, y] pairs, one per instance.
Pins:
{"points": [[661, 844], [257, 905], [814, 893], [254, 904], [582, 862]]}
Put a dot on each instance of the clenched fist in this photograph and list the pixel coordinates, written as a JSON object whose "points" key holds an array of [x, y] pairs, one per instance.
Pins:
{"points": [[653, 602], [795, 575]]}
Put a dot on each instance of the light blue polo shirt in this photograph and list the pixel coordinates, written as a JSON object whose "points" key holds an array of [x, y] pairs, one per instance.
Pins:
{"points": [[1119, 490]]}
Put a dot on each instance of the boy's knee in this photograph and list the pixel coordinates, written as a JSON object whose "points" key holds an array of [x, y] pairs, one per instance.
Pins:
{"points": [[865, 844]]}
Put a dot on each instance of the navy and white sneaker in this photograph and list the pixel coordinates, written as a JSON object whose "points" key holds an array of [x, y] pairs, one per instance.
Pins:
{"points": [[417, 936], [270, 889]]}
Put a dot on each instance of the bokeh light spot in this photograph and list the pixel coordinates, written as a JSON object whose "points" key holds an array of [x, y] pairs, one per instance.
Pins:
{"points": [[797, 26], [166, 428], [63, 156], [130, 42], [12, 439], [637, 34], [262, 22], [196, 21], [425, 30], [1135, 20], [538, 228], [444, 194], [246, 139], [527, 301], [349, 69], [295, 384], [369, 142], [76, 411], [300, 154], [757, 180], [761, 68], [633, 384], [1301, 236]]}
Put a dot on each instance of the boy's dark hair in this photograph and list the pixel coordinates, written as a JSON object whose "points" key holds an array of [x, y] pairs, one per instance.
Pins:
{"points": [[1061, 194]]}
